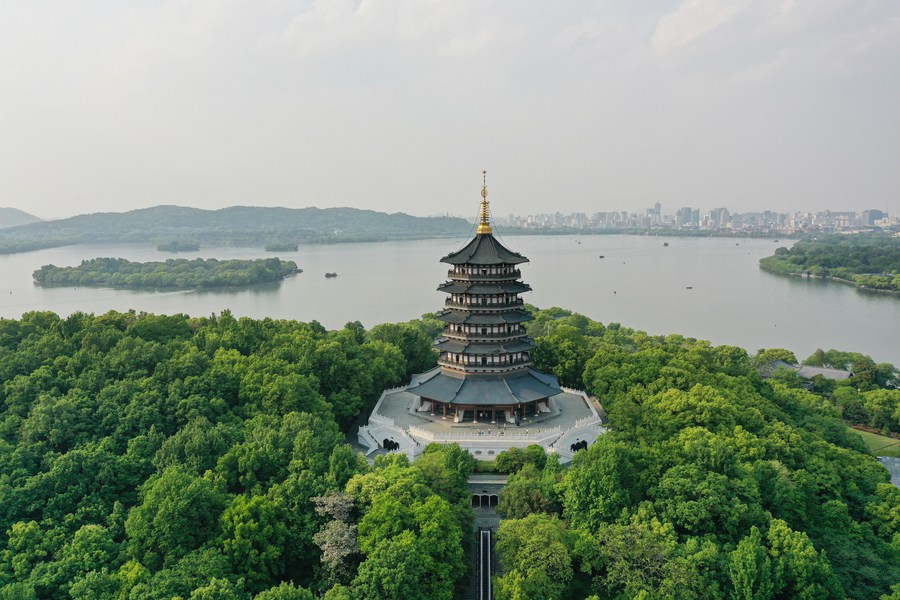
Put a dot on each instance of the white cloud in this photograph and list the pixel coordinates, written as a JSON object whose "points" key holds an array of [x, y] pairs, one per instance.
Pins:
{"points": [[692, 20]]}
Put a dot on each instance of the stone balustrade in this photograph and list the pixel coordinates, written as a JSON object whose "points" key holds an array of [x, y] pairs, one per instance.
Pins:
{"points": [[533, 434]]}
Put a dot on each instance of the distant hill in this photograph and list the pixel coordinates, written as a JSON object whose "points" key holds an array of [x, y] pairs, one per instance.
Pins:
{"points": [[235, 226], [13, 217]]}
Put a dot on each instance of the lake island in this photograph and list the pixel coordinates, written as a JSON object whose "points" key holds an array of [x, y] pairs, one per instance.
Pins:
{"points": [[174, 273]]}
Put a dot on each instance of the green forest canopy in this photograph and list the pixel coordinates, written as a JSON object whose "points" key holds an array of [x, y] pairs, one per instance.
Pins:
{"points": [[871, 260], [174, 273], [149, 456]]}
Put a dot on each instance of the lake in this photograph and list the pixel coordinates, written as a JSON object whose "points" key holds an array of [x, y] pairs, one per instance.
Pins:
{"points": [[639, 283]]}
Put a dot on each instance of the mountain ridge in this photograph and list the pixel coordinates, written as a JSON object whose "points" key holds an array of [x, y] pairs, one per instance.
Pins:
{"points": [[234, 225], [13, 217]]}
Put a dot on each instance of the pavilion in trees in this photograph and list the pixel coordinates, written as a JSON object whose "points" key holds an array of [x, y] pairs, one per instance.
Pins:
{"points": [[484, 368], [484, 393]]}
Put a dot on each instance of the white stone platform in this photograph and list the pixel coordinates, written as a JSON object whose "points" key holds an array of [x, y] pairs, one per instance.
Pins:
{"points": [[573, 418]]}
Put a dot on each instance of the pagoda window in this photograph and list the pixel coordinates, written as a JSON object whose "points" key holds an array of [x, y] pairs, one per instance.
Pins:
{"points": [[484, 360], [484, 331]]}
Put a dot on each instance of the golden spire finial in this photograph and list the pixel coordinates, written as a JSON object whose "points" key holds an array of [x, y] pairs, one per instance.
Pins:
{"points": [[484, 221]]}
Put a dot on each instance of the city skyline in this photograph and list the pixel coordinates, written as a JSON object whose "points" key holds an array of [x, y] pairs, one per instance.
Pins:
{"points": [[398, 106]]}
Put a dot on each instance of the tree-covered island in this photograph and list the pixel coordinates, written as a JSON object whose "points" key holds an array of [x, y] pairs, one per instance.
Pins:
{"points": [[174, 273], [871, 261]]}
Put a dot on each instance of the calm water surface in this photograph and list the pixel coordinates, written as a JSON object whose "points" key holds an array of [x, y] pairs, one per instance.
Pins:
{"points": [[639, 283]]}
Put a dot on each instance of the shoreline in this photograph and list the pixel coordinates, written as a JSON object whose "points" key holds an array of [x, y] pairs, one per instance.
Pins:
{"points": [[832, 278], [379, 239]]}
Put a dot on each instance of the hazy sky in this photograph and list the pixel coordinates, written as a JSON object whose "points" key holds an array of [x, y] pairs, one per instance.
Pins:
{"points": [[398, 105]]}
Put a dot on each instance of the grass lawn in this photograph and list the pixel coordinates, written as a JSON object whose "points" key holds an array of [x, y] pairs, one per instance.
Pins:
{"points": [[880, 445]]}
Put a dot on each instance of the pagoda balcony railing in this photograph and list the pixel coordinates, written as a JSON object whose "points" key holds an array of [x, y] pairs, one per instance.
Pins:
{"points": [[459, 275], [477, 305], [479, 368], [504, 337]]}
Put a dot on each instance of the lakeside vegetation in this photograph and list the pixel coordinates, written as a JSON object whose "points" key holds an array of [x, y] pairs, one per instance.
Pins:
{"points": [[174, 273], [283, 247], [178, 247], [147, 456], [871, 261]]}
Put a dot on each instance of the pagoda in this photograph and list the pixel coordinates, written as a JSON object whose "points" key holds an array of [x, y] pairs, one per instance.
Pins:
{"points": [[484, 369]]}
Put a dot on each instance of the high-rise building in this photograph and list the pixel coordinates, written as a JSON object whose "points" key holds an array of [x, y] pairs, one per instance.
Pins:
{"points": [[870, 216]]}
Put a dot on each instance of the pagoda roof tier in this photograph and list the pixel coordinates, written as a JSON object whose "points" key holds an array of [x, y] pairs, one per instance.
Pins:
{"points": [[485, 390], [484, 249], [469, 287], [522, 344], [464, 317]]}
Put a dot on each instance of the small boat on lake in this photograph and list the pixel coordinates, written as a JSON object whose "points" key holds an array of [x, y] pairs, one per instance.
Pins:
{"points": [[665, 244], [690, 287], [329, 275], [601, 256]]}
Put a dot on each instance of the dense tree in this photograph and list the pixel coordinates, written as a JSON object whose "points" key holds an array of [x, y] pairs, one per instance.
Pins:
{"points": [[701, 451], [413, 340], [510, 461], [767, 355], [750, 569], [534, 557], [397, 569], [174, 273], [528, 491], [149, 457], [254, 535], [178, 513], [285, 591]]}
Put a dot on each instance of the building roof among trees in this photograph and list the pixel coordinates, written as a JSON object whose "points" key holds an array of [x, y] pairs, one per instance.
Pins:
{"points": [[806, 371]]}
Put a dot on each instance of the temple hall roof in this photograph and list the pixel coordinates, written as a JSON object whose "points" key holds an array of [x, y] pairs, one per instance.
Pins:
{"points": [[529, 386], [484, 249]]}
